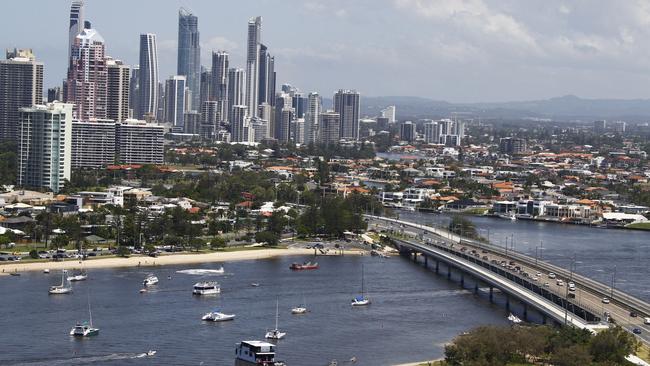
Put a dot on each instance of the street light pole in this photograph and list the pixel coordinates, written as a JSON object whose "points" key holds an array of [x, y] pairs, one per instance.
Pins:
{"points": [[611, 295]]}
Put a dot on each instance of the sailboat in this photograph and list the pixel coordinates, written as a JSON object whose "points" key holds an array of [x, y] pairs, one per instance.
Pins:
{"points": [[361, 300], [81, 276], [275, 333], [64, 288], [302, 309], [85, 329]]}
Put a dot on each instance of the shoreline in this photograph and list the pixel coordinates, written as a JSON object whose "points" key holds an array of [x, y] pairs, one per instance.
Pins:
{"points": [[143, 261]]}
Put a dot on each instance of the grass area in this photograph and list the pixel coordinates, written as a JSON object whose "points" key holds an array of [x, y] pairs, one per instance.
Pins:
{"points": [[476, 211], [639, 226], [644, 352]]}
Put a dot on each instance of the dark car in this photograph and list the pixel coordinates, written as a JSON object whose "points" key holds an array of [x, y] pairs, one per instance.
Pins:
{"points": [[633, 314], [636, 331]]}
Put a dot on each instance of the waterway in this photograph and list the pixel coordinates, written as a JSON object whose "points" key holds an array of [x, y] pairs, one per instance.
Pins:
{"points": [[601, 254], [413, 313]]}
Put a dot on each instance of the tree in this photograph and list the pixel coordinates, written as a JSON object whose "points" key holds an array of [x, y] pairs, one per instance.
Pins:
{"points": [[612, 345], [60, 241], [218, 242], [197, 244], [464, 227], [4, 240], [269, 237], [123, 251], [576, 355], [33, 254]]}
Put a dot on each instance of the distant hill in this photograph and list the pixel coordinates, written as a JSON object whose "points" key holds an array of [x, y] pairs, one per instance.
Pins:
{"points": [[568, 107]]}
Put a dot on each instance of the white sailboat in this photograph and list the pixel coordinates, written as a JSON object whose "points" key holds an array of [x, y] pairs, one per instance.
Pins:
{"points": [[63, 288], [81, 276], [514, 319], [85, 329], [361, 300], [276, 333], [217, 316]]}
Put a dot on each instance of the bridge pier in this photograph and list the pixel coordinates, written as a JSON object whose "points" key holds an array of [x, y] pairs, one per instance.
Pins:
{"points": [[437, 266], [462, 279], [415, 257], [476, 287], [491, 294], [525, 312], [507, 302], [426, 261], [544, 319], [448, 272]]}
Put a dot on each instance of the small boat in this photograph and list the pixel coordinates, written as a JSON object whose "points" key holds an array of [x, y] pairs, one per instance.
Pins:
{"points": [[81, 276], [85, 329], [206, 288], [151, 353], [255, 284], [14, 274], [276, 333], [63, 288], [361, 300], [150, 280], [304, 266], [513, 318], [217, 316], [46, 271], [143, 290], [507, 217], [302, 309]]}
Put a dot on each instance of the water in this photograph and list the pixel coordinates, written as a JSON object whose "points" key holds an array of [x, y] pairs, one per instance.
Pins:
{"points": [[599, 253], [414, 312]]}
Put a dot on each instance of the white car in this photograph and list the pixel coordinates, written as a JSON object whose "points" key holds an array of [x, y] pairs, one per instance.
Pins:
{"points": [[605, 300], [546, 284], [551, 275], [559, 283]]}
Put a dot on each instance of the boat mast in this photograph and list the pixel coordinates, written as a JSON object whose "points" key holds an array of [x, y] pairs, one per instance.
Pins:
{"points": [[362, 280], [90, 313], [277, 312]]}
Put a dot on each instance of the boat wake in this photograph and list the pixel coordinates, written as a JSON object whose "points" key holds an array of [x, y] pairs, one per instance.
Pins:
{"points": [[83, 360], [202, 272]]}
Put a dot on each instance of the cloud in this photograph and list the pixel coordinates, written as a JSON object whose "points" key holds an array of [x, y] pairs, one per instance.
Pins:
{"points": [[219, 43]]}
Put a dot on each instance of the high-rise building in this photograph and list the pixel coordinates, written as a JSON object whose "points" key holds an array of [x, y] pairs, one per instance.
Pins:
{"points": [[284, 123], [44, 145], [189, 54], [265, 113], [134, 91], [407, 131], [239, 123], [76, 24], [219, 88], [210, 117], [53, 94], [117, 99], [21, 85], [600, 126], [175, 100], [389, 112], [282, 101], [206, 88], [328, 126], [253, 64], [87, 83], [148, 77], [259, 128], [512, 145], [314, 105], [431, 132], [382, 123], [347, 105], [619, 126], [299, 102], [93, 144], [266, 92], [139, 142], [192, 123], [236, 89]]}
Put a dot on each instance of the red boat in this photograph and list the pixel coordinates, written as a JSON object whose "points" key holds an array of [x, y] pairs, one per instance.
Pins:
{"points": [[306, 265]]}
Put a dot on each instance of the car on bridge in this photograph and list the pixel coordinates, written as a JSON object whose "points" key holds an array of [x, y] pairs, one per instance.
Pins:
{"points": [[605, 300], [636, 331]]}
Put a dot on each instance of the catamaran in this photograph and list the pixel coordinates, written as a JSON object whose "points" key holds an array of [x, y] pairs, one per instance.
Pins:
{"points": [[361, 300], [85, 329], [275, 333], [150, 280], [206, 288], [217, 316], [63, 288]]}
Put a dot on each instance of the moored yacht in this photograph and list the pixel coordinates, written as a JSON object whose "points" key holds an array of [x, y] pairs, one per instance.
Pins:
{"points": [[206, 288], [217, 316], [150, 280], [276, 333], [256, 353], [63, 288], [81, 276], [361, 300], [84, 330]]}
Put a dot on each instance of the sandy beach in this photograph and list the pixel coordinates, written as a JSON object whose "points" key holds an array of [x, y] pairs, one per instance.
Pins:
{"points": [[143, 261]]}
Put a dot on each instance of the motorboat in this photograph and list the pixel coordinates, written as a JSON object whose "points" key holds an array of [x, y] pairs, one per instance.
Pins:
{"points": [[46, 271], [81, 276], [217, 316], [276, 333], [63, 288], [150, 280], [299, 310], [514, 319], [304, 266], [206, 288]]}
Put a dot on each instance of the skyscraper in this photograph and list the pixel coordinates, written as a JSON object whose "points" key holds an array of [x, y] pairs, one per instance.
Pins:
{"points": [[389, 112], [253, 64], [134, 91], [93, 144], [220, 83], [205, 88], [87, 84], [407, 131], [76, 24], [311, 117], [21, 85], [236, 90], [118, 90], [44, 145], [138, 142], [266, 85], [175, 100], [189, 54], [148, 76], [347, 105], [282, 101], [239, 123], [328, 126]]}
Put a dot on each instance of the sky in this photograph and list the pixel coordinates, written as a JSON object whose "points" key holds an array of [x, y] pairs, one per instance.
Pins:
{"points": [[453, 50]]}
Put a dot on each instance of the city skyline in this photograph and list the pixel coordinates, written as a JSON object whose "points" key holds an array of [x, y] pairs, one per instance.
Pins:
{"points": [[531, 51]]}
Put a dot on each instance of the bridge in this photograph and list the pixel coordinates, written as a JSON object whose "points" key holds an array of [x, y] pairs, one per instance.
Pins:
{"points": [[532, 282]]}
